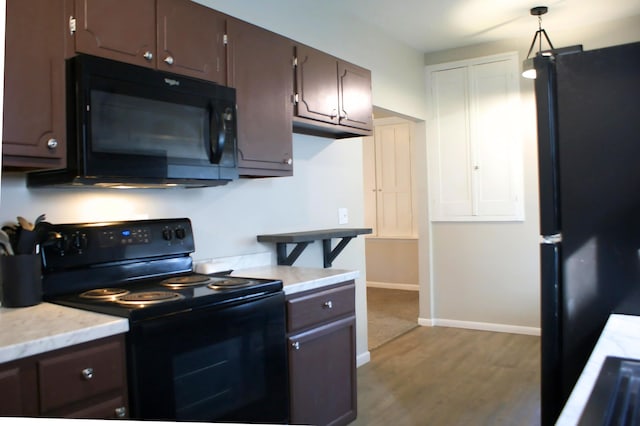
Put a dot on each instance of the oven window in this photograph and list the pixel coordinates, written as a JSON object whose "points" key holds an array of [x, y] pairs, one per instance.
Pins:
{"points": [[132, 125], [210, 381], [211, 364]]}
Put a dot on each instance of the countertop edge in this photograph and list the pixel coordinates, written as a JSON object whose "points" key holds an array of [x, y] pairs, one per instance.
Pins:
{"points": [[69, 327], [49, 327], [298, 279], [620, 337]]}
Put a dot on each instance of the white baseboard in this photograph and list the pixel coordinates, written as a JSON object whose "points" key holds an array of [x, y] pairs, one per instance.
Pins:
{"points": [[363, 358], [485, 326], [393, 286], [426, 322]]}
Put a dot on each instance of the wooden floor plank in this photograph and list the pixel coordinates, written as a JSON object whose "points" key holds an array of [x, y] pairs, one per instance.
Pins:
{"points": [[450, 376]]}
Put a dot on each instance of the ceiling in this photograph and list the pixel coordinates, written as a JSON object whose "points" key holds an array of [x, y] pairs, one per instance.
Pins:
{"points": [[432, 25]]}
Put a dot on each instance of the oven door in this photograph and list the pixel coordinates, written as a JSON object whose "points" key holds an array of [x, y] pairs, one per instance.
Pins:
{"points": [[222, 363]]}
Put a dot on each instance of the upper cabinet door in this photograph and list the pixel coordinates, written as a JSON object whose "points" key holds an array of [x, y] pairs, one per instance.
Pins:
{"points": [[355, 96], [474, 144], [121, 30], [317, 85], [260, 70], [191, 40], [34, 131]]}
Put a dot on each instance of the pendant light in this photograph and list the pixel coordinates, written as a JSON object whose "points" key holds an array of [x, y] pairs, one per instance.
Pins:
{"points": [[528, 69]]}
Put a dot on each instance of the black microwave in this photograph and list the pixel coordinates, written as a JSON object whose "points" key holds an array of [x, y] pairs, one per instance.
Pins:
{"points": [[130, 126]]}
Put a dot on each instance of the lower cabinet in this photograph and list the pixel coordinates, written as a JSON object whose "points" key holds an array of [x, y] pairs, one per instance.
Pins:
{"points": [[81, 381], [321, 329]]}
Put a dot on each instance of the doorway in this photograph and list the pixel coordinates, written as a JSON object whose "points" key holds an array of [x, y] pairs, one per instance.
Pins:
{"points": [[390, 207]]}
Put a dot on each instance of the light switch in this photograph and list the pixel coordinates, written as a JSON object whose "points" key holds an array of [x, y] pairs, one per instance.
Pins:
{"points": [[343, 215]]}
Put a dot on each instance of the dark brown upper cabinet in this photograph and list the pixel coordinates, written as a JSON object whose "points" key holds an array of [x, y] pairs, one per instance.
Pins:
{"points": [[171, 35], [34, 133], [260, 69], [333, 97]]}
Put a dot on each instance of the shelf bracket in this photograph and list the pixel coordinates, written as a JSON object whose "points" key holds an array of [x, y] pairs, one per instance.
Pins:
{"points": [[330, 255], [288, 260]]}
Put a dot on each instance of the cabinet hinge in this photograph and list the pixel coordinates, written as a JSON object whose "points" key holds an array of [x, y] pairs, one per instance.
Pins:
{"points": [[72, 25], [225, 39]]}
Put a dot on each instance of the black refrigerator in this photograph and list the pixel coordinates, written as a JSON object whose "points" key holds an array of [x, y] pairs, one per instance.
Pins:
{"points": [[588, 108]]}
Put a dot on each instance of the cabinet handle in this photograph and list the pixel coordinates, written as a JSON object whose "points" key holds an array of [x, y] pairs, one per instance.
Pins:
{"points": [[87, 373], [148, 55], [52, 143], [288, 161], [328, 305], [296, 346], [169, 60], [121, 412]]}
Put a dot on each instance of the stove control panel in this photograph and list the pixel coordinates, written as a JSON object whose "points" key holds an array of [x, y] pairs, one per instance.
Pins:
{"points": [[81, 244], [125, 236]]}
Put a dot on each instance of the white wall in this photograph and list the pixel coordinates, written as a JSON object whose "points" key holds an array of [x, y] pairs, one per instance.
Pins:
{"points": [[327, 173], [486, 275]]}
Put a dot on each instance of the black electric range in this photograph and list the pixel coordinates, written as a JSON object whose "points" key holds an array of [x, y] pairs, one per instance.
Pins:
{"points": [[199, 347], [135, 269]]}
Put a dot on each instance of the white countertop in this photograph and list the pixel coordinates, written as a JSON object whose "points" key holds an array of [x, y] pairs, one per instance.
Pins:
{"points": [[46, 327], [620, 337], [296, 279]]}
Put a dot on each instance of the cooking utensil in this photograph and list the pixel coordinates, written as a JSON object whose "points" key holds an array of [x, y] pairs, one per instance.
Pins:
{"points": [[25, 224], [39, 219], [6, 243]]}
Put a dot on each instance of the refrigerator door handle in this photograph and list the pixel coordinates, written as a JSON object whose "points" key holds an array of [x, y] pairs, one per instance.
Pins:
{"points": [[551, 239]]}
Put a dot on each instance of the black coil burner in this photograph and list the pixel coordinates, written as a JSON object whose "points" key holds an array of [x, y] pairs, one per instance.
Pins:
{"points": [[143, 298], [109, 293]]}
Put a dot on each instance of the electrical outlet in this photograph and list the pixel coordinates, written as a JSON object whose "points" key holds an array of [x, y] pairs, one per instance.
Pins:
{"points": [[343, 215]]}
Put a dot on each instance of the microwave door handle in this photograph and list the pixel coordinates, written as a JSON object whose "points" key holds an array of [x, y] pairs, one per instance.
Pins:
{"points": [[218, 137]]}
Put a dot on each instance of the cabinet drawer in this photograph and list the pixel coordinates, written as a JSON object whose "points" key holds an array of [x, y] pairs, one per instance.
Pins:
{"points": [[320, 307], [112, 408], [74, 376]]}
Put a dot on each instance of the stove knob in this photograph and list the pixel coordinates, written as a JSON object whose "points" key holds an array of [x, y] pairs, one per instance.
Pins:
{"points": [[181, 233], [79, 241], [61, 244], [167, 234]]}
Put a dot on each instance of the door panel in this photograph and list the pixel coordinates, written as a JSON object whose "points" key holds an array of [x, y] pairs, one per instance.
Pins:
{"points": [[452, 188], [263, 93], [317, 85], [355, 96], [122, 30], [325, 359], [34, 82], [190, 40], [394, 180]]}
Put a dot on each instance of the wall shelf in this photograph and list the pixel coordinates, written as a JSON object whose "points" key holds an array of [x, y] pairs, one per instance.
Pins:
{"points": [[303, 239]]}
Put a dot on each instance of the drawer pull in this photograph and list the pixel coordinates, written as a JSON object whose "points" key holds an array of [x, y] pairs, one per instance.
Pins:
{"points": [[328, 305], [296, 346], [121, 412], [87, 373]]}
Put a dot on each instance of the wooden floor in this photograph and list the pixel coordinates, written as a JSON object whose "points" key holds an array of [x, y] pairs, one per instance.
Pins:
{"points": [[450, 376]]}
